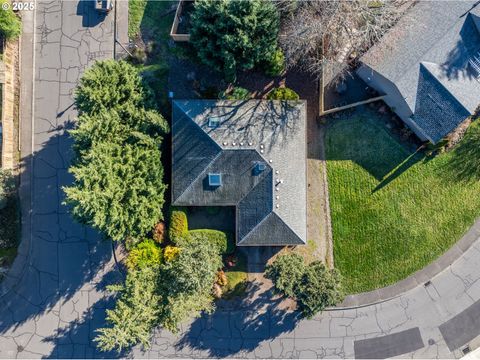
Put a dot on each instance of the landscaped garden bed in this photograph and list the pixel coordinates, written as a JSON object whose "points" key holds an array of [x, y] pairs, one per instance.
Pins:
{"points": [[395, 210]]}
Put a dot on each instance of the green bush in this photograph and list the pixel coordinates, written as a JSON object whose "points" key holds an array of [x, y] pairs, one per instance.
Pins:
{"points": [[238, 93], [283, 94], [276, 64], [222, 241], [313, 286], [286, 272], [7, 186], [234, 35], [145, 254], [10, 24], [178, 228]]}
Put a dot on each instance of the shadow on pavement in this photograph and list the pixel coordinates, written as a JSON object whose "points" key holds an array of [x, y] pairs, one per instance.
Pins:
{"points": [[67, 263], [241, 329]]}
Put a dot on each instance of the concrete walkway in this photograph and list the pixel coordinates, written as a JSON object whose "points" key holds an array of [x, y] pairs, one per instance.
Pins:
{"points": [[54, 298]]}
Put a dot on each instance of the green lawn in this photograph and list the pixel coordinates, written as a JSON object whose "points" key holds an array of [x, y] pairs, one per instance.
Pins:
{"points": [[148, 15], [395, 211]]}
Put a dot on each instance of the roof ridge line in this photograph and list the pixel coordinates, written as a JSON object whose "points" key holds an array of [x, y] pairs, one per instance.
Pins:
{"points": [[210, 139], [431, 46], [258, 224]]}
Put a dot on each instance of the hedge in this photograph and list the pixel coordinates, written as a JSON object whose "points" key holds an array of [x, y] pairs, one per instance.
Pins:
{"points": [[283, 94], [223, 241], [178, 229]]}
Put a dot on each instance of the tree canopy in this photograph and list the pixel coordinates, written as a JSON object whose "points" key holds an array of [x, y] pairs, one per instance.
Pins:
{"points": [[161, 293], [118, 189], [313, 286], [234, 35], [118, 175]]}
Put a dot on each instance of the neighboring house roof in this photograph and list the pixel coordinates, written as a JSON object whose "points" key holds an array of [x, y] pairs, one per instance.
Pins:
{"points": [[438, 38], [230, 138]]}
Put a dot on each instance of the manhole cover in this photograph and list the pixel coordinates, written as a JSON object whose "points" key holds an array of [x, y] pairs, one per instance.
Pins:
{"points": [[431, 342]]}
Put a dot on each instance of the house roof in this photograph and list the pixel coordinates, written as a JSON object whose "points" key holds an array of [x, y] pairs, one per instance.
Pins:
{"points": [[230, 138], [439, 37]]}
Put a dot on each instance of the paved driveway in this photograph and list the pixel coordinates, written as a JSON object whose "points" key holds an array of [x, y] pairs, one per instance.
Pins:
{"points": [[56, 304]]}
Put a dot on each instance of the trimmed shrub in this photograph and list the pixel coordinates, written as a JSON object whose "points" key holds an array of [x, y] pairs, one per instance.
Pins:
{"points": [[145, 254], [178, 229], [276, 65], [219, 239], [283, 94], [237, 93], [170, 253], [159, 232]]}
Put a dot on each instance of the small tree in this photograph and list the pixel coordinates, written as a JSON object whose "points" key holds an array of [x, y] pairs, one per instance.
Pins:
{"points": [[118, 189], [10, 24], [234, 35], [135, 313], [144, 254], [317, 289], [317, 33], [286, 272], [313, 286], [187, 283]]}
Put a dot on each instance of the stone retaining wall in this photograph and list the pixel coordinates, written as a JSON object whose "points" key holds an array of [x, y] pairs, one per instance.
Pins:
{"points": [[9, 106]]}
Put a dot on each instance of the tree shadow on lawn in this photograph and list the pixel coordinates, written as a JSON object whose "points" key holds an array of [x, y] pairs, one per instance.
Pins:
{"points": [[400, 169], [240, 329], [369, 144]]}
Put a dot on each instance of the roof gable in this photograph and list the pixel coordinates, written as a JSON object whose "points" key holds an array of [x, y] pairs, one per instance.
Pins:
{"points": [[437, 111]]}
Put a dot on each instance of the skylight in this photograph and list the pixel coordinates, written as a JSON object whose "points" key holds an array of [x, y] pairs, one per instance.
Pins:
{"points": [[215, 179], [213, 122]]}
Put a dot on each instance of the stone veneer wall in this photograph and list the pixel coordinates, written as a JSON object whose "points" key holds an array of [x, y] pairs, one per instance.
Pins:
{"points": [[9, 106]]}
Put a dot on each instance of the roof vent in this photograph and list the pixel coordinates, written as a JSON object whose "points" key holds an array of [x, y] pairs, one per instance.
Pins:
{"points": [[259, 168], [214, 179], [213, 122]]}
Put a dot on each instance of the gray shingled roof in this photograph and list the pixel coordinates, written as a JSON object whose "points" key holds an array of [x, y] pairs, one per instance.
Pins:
{"points": [[443, 36], [271, 204]]}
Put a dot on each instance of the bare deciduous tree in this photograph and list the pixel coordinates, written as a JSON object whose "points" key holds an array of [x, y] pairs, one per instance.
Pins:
{"points": [[333, 32]]}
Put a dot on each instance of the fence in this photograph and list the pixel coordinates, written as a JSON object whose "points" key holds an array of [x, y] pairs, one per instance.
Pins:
{"points": [[176, 21]]}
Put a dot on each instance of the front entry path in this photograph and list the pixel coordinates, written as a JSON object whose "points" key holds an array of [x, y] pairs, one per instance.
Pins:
{"points": [[52, 307]]}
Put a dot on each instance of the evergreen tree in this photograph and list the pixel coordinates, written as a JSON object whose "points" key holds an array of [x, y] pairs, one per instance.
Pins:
{"points": [[187, 283], [135, 313], [111, 84], [234, 35], [118, 189], [313, 286]]}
